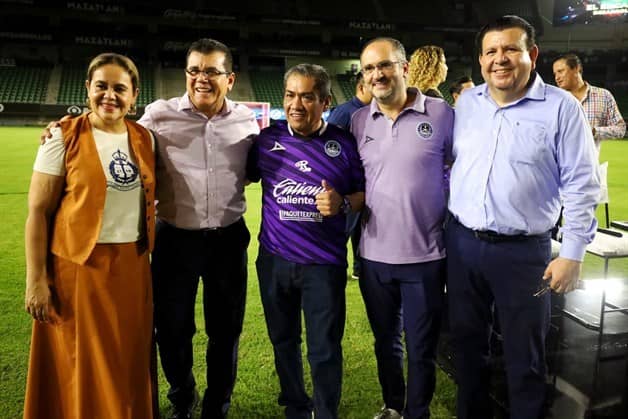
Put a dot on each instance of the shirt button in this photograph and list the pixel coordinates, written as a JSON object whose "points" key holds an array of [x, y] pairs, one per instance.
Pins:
{"points": [[211, 169]]}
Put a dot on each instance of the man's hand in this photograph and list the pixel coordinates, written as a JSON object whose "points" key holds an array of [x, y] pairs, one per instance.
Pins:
{"points": [[329, 201], [54, 124], [563, 274]]}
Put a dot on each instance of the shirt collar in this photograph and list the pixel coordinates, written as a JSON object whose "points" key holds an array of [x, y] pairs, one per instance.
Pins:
{"points": [[535, 90], [317, 133], [586, 93], [418, 105]]}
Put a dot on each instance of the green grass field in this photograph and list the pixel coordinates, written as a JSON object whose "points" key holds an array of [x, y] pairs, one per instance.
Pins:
{"points": [[257, 387]]}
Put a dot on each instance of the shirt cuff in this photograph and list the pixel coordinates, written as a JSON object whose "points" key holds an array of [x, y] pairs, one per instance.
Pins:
{"points": [[572, 249]]}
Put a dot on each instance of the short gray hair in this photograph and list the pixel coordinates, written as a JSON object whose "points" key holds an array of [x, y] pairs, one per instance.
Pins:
{"points": [[322, 82]]}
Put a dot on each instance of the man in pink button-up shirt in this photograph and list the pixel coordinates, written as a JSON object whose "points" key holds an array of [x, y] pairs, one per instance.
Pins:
{"points": [[203, 140]]}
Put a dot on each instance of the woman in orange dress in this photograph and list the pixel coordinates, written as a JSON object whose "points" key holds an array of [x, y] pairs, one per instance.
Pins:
{"points": [[89, 232]]}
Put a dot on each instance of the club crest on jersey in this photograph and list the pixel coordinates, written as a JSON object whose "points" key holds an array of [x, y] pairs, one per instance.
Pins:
{"points": [[332, 148], [425, 130], [277, 147], [122, 171], [302, 165]]}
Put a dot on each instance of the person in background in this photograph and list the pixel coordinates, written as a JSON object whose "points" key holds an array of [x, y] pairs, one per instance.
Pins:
{"points": [[521, 148], [427, 70], [341, 116], [311, 178], [599, 104], [457, 87], [404, 139], [89, 232]]}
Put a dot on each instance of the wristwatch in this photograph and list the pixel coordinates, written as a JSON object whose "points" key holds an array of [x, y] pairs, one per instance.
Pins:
{"points": [[345, 207]]}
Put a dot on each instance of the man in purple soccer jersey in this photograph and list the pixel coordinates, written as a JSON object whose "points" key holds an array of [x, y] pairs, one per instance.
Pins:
{"points": [[404, 139], [311, 178]]}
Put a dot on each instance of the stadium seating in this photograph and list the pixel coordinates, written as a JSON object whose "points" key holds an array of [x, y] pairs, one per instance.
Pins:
{"points": [[23, 84], [347, 84], [268, 87], [72, 88], [147, 85]]}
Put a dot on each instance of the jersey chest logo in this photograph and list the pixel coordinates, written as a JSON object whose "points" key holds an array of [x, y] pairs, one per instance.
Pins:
{"points": [[332, 148], [424, 130]]}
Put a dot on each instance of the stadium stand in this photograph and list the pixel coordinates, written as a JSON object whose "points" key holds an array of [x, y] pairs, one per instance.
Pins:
{"points": [[23, 84], [147, 85], [347, 84], [268, 87], [72, 88]]}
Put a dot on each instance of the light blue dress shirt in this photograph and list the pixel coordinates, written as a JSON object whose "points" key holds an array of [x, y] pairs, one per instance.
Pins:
{"points": [[515, 165]]}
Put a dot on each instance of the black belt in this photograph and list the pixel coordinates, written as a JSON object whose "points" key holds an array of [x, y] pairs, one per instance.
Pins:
{"points": [[220, 230], [206, 231], [495, 237]]}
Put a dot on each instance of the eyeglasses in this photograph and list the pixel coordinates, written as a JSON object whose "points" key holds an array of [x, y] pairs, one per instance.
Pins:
{"points": [[384, 66], [210, 73]]}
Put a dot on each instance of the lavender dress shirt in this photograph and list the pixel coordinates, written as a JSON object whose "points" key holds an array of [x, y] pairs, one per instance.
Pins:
{"points": [[201, 161], [515, 165]]}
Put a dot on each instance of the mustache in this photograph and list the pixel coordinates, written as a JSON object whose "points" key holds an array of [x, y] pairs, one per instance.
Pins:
{"points": [[380, 79]]}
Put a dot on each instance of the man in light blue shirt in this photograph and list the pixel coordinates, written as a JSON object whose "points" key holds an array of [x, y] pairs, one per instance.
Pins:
{"points": [[521, 148]]}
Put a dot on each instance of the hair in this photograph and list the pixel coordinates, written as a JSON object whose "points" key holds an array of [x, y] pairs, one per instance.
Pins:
{"points": [[208, 46], [456, 86], [322, 82], [397, 46], [425, 71], [116, 59], [507, 22], [572, 60]]}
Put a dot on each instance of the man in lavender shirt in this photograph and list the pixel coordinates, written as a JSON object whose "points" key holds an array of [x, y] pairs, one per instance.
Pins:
{"points": [[404, 139], [203, 140], [311, 178]]}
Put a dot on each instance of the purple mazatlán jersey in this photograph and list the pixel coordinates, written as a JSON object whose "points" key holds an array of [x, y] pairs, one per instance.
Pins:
{"points": [[291, 169]]}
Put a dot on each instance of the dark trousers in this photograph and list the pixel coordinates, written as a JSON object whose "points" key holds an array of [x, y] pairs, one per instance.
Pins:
{"points": [[353, 230], [219, 257], [287, 289], [405, 297], [488, 278]]}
